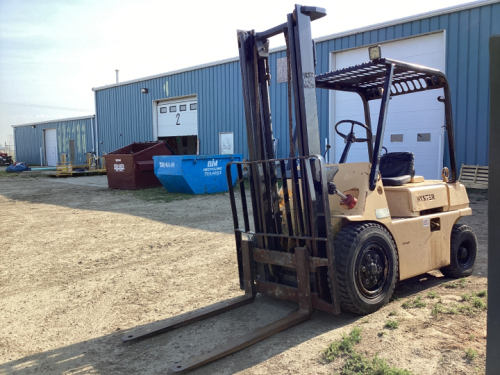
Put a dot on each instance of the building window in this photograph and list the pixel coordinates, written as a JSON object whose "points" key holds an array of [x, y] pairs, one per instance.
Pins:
{"points": [[396, 137], [193, 106], [172, 108], [163, 110], [424, 137], [182, 107]]}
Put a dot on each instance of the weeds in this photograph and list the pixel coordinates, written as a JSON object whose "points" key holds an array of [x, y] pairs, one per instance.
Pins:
{"points": [[416, 304], [460, 283], [381, 334], [7, 174], [159, 194], [392, 313], [466, 309], [356, 363], [466, 297], [432, 295], [478, 303], [344, 346], [391, 324], [470, 354], [482, 293], [471, 337], [437, 309]]}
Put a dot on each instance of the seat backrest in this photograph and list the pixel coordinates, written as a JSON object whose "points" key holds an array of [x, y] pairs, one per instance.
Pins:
{"points": [[397, 164]]}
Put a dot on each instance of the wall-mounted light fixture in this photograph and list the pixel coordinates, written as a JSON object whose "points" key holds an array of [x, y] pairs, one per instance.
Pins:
{"points": [[33, 126], [144, 90], [375, 52]]}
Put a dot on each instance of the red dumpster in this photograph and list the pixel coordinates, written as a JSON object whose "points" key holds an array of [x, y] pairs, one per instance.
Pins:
{"points": [[132, 167]]}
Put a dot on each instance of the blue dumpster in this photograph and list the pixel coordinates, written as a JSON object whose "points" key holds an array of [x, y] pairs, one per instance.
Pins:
{"points": [[194, 174]]}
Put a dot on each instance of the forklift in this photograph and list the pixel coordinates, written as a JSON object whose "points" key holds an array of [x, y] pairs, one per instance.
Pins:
{"points": [[332, 237]]}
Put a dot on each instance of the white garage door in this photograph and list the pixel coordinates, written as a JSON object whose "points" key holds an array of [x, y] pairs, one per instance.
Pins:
{"points": [[414, 122], [178, 118], [50, 146]]}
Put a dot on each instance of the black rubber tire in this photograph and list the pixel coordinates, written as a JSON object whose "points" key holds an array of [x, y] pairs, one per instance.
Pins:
{"points": [[463, 252], [353, 244]]}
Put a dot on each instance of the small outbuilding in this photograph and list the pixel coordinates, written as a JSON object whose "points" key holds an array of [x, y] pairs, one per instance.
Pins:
{"points": [[41, 143]]}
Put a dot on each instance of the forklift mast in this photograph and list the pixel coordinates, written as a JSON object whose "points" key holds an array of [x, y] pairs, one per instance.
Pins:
{"points": [[305, 220], [254, 60]]}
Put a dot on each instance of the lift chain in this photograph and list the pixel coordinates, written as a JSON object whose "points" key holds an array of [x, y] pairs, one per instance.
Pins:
{"points": [[257, 101], [289, 83]]}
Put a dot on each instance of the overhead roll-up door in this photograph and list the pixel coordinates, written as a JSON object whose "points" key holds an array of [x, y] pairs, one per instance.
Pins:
{"points": [[414, 122]]}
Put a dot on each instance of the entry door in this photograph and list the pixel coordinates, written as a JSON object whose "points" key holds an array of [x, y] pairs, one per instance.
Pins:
{"points": [[414, 122], [50, 147]]}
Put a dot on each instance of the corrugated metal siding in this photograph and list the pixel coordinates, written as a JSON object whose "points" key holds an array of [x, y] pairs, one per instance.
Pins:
{"points": [[467, 67], [124, 110], [125, 115], [29, 140]]}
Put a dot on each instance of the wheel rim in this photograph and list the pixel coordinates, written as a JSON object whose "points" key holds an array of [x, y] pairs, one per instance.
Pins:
{"points": [[464, 254], [371, 270]]}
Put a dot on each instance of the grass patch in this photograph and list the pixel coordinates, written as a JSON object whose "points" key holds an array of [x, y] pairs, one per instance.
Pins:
{"points": [[437, 309], [482, 293], [360, 365], [415, 304], [473, 308], [465, 309], [158, 194], [471, 337], [432, 295], [418, 302], [470, 354], [453, 285], [466, 297], [392, 313], [381, 333], [8, 174], [391, 324], [344, 346], [356, 363], [479, 304]]}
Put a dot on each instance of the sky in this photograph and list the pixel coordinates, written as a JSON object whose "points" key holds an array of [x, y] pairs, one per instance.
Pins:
{"points": [[52, 52]]}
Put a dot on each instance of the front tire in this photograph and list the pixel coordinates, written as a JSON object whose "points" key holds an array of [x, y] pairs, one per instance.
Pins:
{"points": [[367, 267], [463, 252]]}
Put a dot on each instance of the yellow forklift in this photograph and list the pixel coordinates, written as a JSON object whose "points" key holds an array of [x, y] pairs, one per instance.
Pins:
{"points": [[339, 236]]}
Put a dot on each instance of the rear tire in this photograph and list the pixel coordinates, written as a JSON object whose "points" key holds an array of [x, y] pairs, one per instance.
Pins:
{"points": [[367, 267], [463, 252]]}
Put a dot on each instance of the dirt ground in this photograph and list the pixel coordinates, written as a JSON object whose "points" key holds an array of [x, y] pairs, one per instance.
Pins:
{"points": [[82, 265]]}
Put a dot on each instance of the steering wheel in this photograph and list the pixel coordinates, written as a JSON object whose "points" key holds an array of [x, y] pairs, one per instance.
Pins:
{"points": [[353, 138]]}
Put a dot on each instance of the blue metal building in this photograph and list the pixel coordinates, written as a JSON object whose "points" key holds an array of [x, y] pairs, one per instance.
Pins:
{"points": [[127, 112], [41, 143], [455, 38]]}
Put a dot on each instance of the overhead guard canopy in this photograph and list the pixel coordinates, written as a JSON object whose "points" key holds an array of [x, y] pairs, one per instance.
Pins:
{"points": [[368, 79]]}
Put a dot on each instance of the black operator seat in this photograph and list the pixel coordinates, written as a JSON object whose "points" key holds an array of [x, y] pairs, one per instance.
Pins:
{"points": [[397, 168]]}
